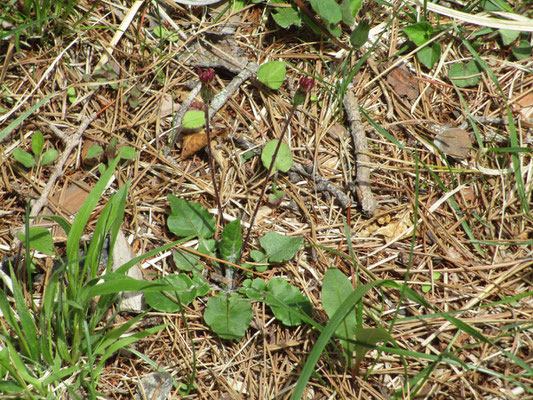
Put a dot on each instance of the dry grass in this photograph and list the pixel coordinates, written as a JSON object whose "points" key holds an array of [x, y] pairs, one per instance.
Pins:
{"points": [[268, 360]]}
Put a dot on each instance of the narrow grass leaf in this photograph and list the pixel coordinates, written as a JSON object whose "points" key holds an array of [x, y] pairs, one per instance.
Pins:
{"points": [[326, 335]]}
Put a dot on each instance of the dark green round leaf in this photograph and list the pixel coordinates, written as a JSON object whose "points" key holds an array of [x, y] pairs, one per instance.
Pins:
{"points": [[229, 317], [283, 299]]}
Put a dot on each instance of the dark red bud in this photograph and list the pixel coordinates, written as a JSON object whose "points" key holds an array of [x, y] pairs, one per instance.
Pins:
{"points": [[307, 83], [206, 75]]}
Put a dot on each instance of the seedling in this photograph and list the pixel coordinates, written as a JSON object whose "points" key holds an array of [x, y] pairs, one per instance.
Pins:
{"points": [[38, 157], [228, 313]]}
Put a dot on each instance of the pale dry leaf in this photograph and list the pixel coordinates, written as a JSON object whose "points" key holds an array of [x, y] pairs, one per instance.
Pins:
{"points": [[526, 106], [454, 142], [397, 228]]}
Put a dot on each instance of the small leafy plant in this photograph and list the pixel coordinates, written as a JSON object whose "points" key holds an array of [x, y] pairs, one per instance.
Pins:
{"points": [[229, 312], [36, 157]]}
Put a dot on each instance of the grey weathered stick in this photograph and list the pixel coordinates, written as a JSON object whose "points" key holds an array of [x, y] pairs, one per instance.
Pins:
{"points": [[362, 178]]}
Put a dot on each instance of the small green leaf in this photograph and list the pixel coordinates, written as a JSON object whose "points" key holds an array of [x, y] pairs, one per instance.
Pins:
{"points": [[360, 34], [283, 299], [336, 287], [349, 9], [183, 290], [280, 248], [24, 158], [127, 153], [229, 317], [49, 156], [465, 75], [231, 241], [419, 33], [283, 159], [508, 36], [193, 119], [185, 261], [429, 55], [160, 32], [37, 143], [255, 289], [328, 10], [522, 50], [40, 240], [272, 74], [188, 218], [286, 16], [95, 151]]}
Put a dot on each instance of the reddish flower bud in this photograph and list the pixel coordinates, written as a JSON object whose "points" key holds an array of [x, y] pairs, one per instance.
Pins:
{"points": [[306, 84], [206, 75]]}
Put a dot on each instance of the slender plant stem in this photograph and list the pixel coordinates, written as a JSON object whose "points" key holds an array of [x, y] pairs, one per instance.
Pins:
{"points": [[212, 163], [265, 185]]}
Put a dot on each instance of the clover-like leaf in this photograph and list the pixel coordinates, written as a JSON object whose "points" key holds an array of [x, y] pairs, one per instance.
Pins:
{"points": [[284, 159], [272, 74]]}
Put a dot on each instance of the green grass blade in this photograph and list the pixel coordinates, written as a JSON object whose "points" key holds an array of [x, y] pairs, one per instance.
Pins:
{"points": [[326, 335]]}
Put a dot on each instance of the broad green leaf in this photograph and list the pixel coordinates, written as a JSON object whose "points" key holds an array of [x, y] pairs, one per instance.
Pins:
{"points": [[40, 240], [328, 10], [49, 156], [231, 241], [193, 119], [37, 143], [286, 16], [349, 9], [465, 75], [280, 248], [419, 33], [508, 36], [429, 55], [283, 299], [188, 218], [360, 34], [95, 151], [229, 317], [283, 159], [272, 74], [24, 158], [182, 293], [336, 287]]}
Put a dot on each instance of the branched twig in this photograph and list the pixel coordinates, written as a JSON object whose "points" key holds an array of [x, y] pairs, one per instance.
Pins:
{"points": [[362, 180]]}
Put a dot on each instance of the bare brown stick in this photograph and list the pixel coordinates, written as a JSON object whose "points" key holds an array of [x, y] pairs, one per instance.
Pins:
{"points": [[362, 178]]}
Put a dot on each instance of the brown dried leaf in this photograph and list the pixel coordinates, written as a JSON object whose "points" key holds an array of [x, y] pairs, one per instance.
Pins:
{"points": [[526, 105], [193, 143], [454, 142], [403, 82]]}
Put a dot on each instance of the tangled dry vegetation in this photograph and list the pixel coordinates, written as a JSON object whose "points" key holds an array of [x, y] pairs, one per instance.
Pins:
{"points": [[472, 244]]}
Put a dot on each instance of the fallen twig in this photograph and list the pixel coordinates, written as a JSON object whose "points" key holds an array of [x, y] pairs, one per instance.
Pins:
{"points": [[357, 130]]}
